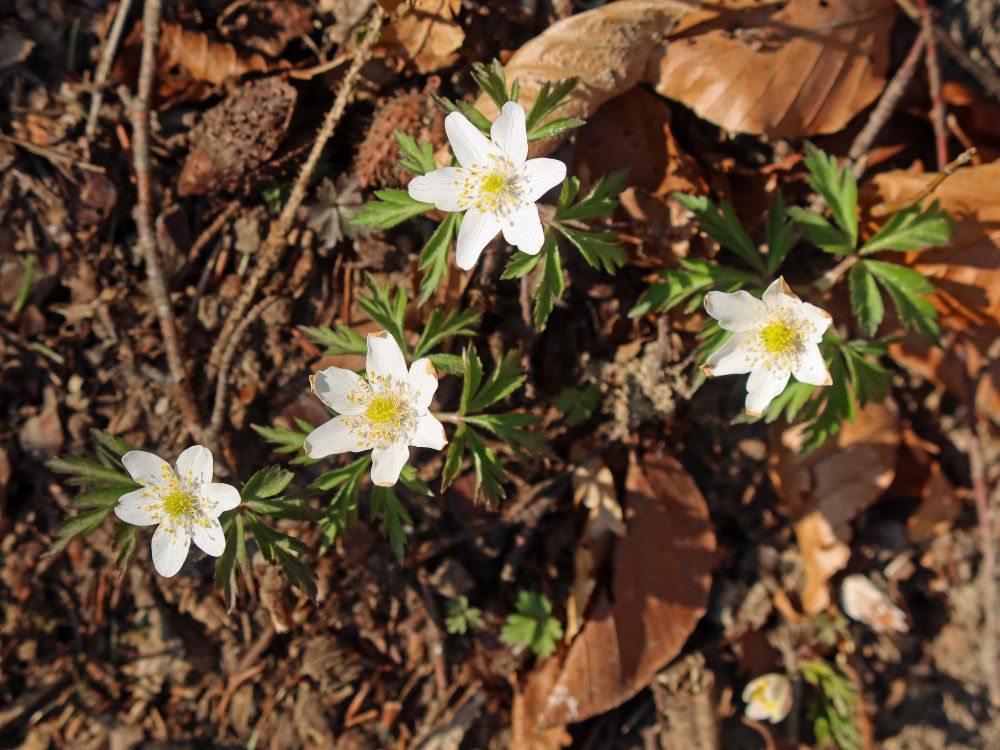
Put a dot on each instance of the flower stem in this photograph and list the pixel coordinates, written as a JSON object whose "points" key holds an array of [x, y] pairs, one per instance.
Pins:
{"points": [[825, 282], [449, 416]]}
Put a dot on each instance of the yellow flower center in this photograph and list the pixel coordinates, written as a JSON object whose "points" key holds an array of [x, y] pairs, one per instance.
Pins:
{"points": [[779, 338], [177, 504], [494, 183], [382, 409]]}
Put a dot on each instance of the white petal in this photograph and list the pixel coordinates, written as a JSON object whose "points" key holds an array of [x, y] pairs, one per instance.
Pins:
{"points": [[208, 536], [811, 368], [423, 379], [820, 320], [335, 385], [523, 229], [510, 134], [194, 466], [218, 498], [728, 359], [477, 230], [468, 143], [541, 175], [778, 294], [429, 434], [385, 357], [388, 462], [757, 712], [735, 312], [333, 437], [440, 187], [170, 548], [138, 508], [762, 388], [147, 469]]}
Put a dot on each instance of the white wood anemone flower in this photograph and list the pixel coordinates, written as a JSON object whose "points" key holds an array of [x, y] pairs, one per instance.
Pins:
{"points": [[774, 337], [866, 603], [496, 185], [185, 504], [768, 698], [386, 410]]}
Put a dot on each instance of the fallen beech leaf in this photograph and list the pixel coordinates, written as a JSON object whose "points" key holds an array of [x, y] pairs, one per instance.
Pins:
{"points": [[784, 70], [659, 591], [427, 35], [533, 692], [264, 25], [965, 274], [824, 490], [866, 603]]}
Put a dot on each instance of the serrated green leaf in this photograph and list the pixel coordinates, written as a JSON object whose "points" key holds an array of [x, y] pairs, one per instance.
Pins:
{"points": [[533, 625], [510, 429], [578, 404], [228, 562], [507, 377], [126, 539], [866, 300], [79, 525], [418, 159], [839, 188], [392, 207], [462, 617], [601, 250], [101, 497], [266, 482], [904, 286], [385, 505], [491, 79], [386, 308], [447, 363], [779, 233], [899, 276], [912, 229], [441, 326], [489, 471], [408, 476], [299, 574], [688, 283], [294, 509], [454, 457], [555, 127], [871, 381], [821, 232], [343, 340], [788, 402], [520, 264], [434, 256], [552, 284], [82, 471], [600, 201], [550, 96], [287, 440]]}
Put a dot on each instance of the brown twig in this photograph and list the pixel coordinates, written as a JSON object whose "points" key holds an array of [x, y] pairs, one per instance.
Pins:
{"points": [[208, 234], [144, 217], [277, 238], [222, 382], [886, 106], [104, 66], [934, 80], [987, 78], [984, 511]]}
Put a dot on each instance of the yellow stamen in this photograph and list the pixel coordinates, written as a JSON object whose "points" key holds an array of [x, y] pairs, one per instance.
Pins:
{"points": [[177, 504], [779, 338], [382, 409], [493, 183]]}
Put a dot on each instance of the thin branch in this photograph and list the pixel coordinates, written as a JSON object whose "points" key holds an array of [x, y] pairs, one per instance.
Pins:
{"points": [[934, 80], [104, 66], [222, 382], [144, 217], [277, 238]]}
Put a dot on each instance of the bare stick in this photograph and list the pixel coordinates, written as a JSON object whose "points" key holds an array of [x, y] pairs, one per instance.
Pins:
{"points": [[988, 78], [144, 216], [987, 575], [104, 66], [222, 383], [886, 106], [934, 79], [277, 238]]}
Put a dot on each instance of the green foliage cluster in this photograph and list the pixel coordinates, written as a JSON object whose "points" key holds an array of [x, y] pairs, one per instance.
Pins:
{"points": [[532, 624]]}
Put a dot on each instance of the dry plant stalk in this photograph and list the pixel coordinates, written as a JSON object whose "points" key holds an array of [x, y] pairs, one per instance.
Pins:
{"points": [[934, 81], [144, 218], [277, 238]]}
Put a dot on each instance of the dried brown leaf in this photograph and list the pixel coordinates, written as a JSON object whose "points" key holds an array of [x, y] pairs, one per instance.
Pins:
{"points": [[264, 25], [824, 490], [426, 36]]}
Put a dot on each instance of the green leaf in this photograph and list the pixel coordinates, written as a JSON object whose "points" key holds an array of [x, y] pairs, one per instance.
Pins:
{"points": [[555, 127], [521, 264], [489, 471], [491, 79], [836, 405], [821, 232], [101, 497], [551, 96], [266, 483], [510, 429], [449, 363], [904, 286], [601, 250], [779, 233], [533, 625], [912, 229], [600, 201], [723, 226], [866, 300], [343, 340], [126, 538], [441, 326], [552, 284], [434, 257], [342, 509], [578, 405], [386, 309], [507, 377], [83, 471], [408, 476], [461, 617], [287, 439], [230, 560], [899, 276], [789, 402], [294, 508], [298, 573], [419, 159], [386, 505], [454, 457], [688, 283], [839, 188], [472, 375], [79, 525], [871, 381], [392, 207]]}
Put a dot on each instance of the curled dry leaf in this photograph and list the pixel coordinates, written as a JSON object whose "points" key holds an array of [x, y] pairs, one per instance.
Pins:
{"points": [[784, 70], [235, 137], [965, 274], [866, 603], [659, 590], [426, 35], [824, 490]]}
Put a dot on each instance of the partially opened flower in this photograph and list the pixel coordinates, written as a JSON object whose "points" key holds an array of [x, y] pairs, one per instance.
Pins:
{"points": [[496, 185], [865, 602], [385, 411], [774, 338], [768, 698], [185, 504]]}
